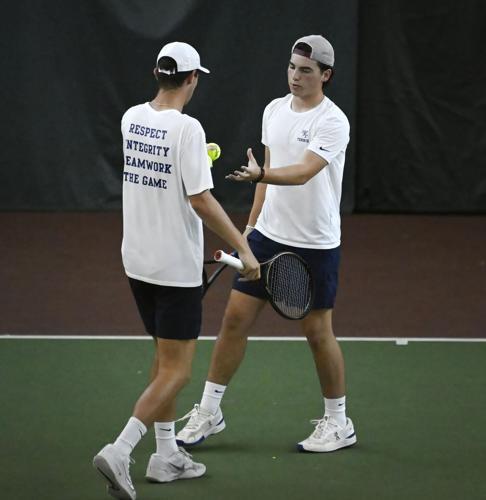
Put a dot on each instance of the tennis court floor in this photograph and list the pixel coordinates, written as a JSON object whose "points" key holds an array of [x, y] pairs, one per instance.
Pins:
{"points": [[419, 412]]}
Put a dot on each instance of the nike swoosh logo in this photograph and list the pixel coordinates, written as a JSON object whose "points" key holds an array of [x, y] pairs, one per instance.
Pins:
{"points": [[323, 149], [219, 392], [177, 467], [166, 430]]}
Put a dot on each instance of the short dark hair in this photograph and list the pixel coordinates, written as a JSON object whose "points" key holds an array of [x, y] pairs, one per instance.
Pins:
{"points": [[307, 49], [323, 68], [171, 81]]}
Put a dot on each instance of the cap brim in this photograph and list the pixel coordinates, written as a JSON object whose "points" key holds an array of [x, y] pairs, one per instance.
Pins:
{"points": [[204, 70]]}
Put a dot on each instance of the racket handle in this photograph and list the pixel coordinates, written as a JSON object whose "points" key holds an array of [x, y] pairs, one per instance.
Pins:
{"points": [[224, 258]]}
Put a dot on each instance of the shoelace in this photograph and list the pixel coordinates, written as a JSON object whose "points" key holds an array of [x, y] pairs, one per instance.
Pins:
{"points": [[183, 463], [195, 418], [188, 462], [131, 461], [323, 426], [185, 453]]}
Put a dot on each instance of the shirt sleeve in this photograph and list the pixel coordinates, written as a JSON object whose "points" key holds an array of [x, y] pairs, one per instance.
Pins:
{"points": [[123, 121], [266, 117], [195, 170], [330, 139], [264, 126]]}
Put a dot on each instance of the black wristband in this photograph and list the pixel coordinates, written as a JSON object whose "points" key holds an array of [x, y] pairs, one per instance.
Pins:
{"points": [[260, 177]]}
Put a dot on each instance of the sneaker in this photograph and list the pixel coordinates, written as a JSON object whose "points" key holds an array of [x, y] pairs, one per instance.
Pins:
{"points": [[179, 465], [201, 425], [114, 467], [329, 436]]}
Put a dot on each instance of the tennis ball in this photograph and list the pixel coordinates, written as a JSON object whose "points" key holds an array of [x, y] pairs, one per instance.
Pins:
{"points": [[214, 152]]}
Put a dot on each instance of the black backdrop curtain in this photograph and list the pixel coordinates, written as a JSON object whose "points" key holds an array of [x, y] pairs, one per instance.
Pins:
{"points": [[70, 69], [409, 75], [422, 106]]}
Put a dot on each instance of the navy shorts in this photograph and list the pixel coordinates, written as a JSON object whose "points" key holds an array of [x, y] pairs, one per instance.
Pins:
{"points": [[169, 312], [324, 266]]}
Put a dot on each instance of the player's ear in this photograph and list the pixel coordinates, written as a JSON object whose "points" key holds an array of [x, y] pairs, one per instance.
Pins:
{"points": [[326, 75], [155, 72], [191, 77]]}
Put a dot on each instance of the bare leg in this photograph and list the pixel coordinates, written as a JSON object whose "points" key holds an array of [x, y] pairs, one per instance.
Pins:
{"points": [[241, 312], [328, 357], [157, 403], [155, 363]]}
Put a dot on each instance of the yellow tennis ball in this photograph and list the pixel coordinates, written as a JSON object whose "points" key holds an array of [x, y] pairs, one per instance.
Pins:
{"points": [[214, 152]]}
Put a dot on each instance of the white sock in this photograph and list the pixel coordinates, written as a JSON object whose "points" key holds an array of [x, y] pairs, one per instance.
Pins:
{"points": [[130, 436], [165, 438], [336, 408], [212, 396]]}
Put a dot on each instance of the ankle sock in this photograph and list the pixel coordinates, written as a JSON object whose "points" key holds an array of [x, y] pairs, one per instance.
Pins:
{"points": [[165, 438], [212, 396], [130, 436], [336, 409]]}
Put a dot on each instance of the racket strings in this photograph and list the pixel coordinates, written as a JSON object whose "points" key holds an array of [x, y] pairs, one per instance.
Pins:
{"points": [[290, 285]]}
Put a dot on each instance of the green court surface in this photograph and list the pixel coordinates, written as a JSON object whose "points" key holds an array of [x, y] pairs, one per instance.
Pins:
{"points": [[419, 412]]}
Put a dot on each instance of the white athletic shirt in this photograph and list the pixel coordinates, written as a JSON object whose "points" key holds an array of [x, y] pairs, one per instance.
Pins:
{"points": [[165, 162], [304, 216]]}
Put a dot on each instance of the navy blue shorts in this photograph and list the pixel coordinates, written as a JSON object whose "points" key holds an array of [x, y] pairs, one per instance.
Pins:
{"points": [[324, 266], [169, 312]]}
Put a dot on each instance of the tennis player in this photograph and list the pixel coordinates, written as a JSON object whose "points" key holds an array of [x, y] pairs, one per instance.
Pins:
{"points": [[296, 208], [166, 193]]}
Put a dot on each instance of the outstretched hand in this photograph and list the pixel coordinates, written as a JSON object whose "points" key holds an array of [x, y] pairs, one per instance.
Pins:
{"points": [[247, 173]]}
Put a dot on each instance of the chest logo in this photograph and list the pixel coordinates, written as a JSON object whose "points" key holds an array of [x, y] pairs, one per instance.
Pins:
{"points": [[304, 136]]}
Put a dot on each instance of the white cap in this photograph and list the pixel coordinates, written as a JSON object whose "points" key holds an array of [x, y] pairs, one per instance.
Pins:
{"points": [[185, 56], [321, 49]]}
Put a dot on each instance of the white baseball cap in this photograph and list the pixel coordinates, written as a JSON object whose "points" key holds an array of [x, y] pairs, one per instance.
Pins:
{"points": [[321, 49], [185, 56]]}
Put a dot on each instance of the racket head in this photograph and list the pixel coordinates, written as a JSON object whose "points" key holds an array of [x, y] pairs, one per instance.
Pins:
{"points": [[289, 285]]}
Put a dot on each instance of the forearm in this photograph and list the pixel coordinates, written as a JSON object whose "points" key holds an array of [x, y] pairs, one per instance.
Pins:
{"points": [[290, 175], [258, 200], [216, 219]]}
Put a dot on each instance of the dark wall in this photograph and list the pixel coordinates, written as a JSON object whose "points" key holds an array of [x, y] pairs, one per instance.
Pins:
{"points": [[70, 69], [422, 106], [83, 63]]}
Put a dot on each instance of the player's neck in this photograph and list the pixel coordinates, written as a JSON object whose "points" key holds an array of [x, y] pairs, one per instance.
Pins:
{"points": [[301, 104], [166, 99]]}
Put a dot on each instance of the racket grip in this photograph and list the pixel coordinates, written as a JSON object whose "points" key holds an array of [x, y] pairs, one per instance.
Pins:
{"points": [[224, 258]]}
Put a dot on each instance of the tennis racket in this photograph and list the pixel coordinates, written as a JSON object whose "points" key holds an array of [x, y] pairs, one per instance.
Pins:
{"points": [[287, 280], [209, 280]]}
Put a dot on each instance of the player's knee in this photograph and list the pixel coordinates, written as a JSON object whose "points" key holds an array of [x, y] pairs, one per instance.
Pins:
{"points": [[316, 337], [179, 376], [234, 321]]}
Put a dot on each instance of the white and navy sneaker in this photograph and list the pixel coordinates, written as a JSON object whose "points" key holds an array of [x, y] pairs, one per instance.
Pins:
{"points": [[328, 436], [114, 467], [201, 424], [179, 465]]}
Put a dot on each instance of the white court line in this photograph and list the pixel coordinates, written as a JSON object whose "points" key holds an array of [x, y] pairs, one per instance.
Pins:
{"points": [[397, 340]]}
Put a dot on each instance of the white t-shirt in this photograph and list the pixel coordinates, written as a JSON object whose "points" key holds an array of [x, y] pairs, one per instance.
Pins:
{"points": [[165, 162], [304, 216]]}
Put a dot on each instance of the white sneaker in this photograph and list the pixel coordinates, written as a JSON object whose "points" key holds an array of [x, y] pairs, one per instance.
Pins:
{"points": [[179, 465], [329, 436], [114, 467], [201, 425]]}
